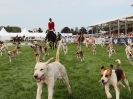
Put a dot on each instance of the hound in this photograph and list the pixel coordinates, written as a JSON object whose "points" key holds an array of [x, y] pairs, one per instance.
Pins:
{"points": [[13, 53], [110, 49], [64, 46], [113, 77], [46, 47], [47, 73], [80, 54], [38, 50], [94, 48], [129, 53], [3, 48], [102, 42]]}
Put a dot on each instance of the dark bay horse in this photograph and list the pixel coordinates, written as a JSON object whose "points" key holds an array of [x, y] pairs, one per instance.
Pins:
{"points": [[52, 38]]}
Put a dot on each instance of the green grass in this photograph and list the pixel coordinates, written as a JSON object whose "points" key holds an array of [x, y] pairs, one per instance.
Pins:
{"points": [[17, 82]]}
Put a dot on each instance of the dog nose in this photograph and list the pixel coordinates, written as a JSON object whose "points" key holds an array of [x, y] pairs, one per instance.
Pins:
{"points": [[102, 81], [35, 76]]}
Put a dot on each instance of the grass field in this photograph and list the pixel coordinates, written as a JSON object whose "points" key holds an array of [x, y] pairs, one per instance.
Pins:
{"points": [[17, 82]]}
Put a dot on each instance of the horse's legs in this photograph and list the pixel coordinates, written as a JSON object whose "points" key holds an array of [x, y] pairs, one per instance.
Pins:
{"points": [[50, 44], [53, 45]]}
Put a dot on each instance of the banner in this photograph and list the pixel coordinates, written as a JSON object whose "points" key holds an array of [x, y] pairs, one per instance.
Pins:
{"points": [[122, 41]]}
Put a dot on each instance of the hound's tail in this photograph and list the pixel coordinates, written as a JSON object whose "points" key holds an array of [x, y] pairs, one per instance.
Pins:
{"points": [[58, 51], [118, 61]]}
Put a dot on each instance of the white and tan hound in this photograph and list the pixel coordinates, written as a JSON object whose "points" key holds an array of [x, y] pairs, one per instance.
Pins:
{"points": [[113, 77], [47, 73]]}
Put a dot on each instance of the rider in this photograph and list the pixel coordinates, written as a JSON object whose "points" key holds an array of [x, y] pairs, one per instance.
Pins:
{"points": [[51, 36], [51, 28]]}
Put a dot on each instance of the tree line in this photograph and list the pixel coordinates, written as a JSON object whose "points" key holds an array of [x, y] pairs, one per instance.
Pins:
{"points": [[16, 29], [84, 30], [74, 31]]}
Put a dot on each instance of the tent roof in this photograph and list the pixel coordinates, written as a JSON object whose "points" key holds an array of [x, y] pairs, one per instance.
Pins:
{"points": [[114, 20], [24, 31], [66, 34], [3, 31]]}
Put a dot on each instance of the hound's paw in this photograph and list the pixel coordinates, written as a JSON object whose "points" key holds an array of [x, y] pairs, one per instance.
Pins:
{"points": [[109, 96]]}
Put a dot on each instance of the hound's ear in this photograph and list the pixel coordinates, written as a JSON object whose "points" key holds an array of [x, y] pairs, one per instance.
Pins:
{"points": [[102, 68], [111, 66], [48, 61]]}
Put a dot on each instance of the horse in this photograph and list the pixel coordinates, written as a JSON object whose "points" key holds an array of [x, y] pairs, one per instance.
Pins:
{"points": [[52, 38]]}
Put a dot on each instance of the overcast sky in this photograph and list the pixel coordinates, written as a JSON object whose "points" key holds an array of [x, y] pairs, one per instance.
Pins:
{"points": [[71, 13]]}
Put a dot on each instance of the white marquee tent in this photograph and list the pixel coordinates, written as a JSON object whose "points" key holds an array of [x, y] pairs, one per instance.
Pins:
{"points": [[4, 35], [66, 34]]}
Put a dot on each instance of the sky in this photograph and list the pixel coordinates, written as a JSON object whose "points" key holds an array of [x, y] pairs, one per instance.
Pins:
{"points": [[72, 13]]}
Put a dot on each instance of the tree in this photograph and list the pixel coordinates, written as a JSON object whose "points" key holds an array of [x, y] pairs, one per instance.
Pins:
{"points": [[83, 30], [40, 30], [90, 31], [66, 30], [13, 29], [72, 30], [75, 33], [8, 29]]}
